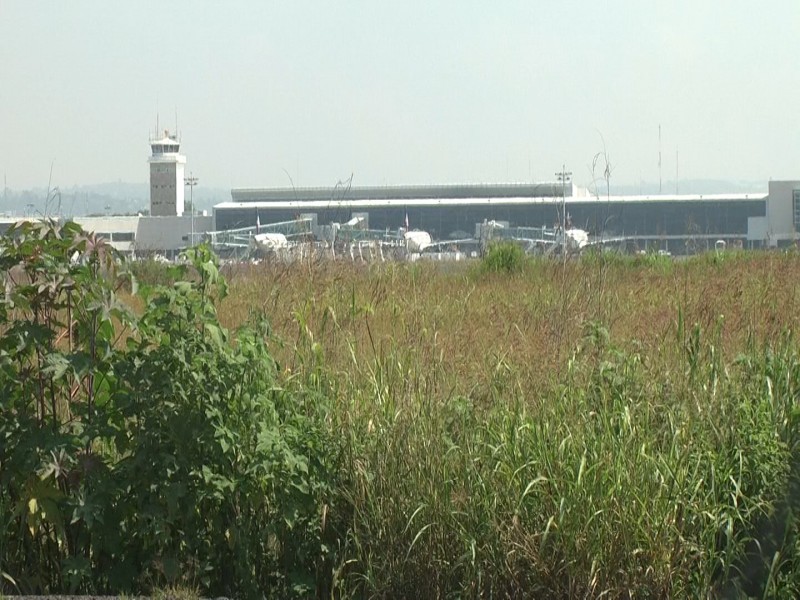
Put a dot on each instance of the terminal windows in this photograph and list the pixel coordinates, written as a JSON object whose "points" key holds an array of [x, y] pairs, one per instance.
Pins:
{"points": [[796, 209]]}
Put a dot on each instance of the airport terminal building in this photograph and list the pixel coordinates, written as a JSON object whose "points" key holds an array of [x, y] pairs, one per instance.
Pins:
{"points": [[678, 223]]}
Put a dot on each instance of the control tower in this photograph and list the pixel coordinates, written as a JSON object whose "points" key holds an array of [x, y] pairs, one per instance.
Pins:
{"points": [[166, 176]]}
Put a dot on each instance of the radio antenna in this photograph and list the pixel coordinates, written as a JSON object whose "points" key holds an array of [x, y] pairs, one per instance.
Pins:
{"points": [[659, 158]]}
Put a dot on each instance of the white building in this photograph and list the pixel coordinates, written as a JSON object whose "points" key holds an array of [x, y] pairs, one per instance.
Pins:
{"points": [[142, 236], [782, 221], [166, 176]]}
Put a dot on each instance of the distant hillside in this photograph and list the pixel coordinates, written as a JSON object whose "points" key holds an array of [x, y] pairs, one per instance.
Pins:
{"points": [[118, 198]]}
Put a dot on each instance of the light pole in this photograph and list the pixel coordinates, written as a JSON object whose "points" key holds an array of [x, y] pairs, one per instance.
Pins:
{"points": [[191, 181], [564, 176]]}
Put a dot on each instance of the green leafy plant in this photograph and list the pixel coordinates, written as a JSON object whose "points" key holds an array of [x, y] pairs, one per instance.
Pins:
{"points": [[151, 450], [504, 257]]}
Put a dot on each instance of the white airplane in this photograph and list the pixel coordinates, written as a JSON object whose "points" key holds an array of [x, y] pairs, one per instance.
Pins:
{"points": [[417, 241], [573, 240], [421, 241], [577, 239], [270, 241]]}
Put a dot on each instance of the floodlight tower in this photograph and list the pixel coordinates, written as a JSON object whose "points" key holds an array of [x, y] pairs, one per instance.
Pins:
{"points": [[191, 181], [564, 177], [166, 175]]}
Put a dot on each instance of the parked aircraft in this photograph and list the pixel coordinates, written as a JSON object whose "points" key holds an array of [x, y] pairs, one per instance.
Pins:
{"points": [[547, 240]]}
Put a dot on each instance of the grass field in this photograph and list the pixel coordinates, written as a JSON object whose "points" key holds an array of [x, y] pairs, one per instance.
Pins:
{"points": [[605, 427], [468, 323], [609, 426]]}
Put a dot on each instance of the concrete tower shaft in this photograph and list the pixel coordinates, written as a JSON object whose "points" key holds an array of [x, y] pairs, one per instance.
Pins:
{"points": [[166, 176]]}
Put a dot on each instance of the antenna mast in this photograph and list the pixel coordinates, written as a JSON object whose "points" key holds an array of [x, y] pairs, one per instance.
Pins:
{"points": [[659, 158]]}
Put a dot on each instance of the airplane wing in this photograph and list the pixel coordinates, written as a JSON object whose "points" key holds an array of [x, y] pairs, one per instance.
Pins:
{"points": [[610, 240], [453, 242]]}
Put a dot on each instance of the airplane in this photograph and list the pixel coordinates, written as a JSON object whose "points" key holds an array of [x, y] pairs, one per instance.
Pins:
{"points": [[573, 240], [417, 241], [270, 241]]}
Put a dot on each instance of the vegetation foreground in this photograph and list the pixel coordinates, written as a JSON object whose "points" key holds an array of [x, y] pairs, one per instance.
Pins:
{"points": [[608, 426]]}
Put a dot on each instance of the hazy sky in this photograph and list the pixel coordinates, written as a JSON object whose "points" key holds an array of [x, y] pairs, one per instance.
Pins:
{"points": [[400, 92]]}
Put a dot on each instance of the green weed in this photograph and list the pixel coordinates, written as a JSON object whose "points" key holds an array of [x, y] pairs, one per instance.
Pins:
{"points": [[608, 426], [504, 257]]}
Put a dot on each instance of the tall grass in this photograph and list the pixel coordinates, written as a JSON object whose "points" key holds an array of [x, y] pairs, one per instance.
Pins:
{"points": [[498, 440], [502, 439], [534, 319], [614, 482], [604, 427]]}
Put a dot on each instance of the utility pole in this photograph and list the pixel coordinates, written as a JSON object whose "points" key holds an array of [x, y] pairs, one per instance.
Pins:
{"points": [[191, 181], [659, 159], [564, 177]]}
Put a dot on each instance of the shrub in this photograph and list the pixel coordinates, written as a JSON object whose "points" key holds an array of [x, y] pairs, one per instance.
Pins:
{"points": [[504, 257], [169, 458]]}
